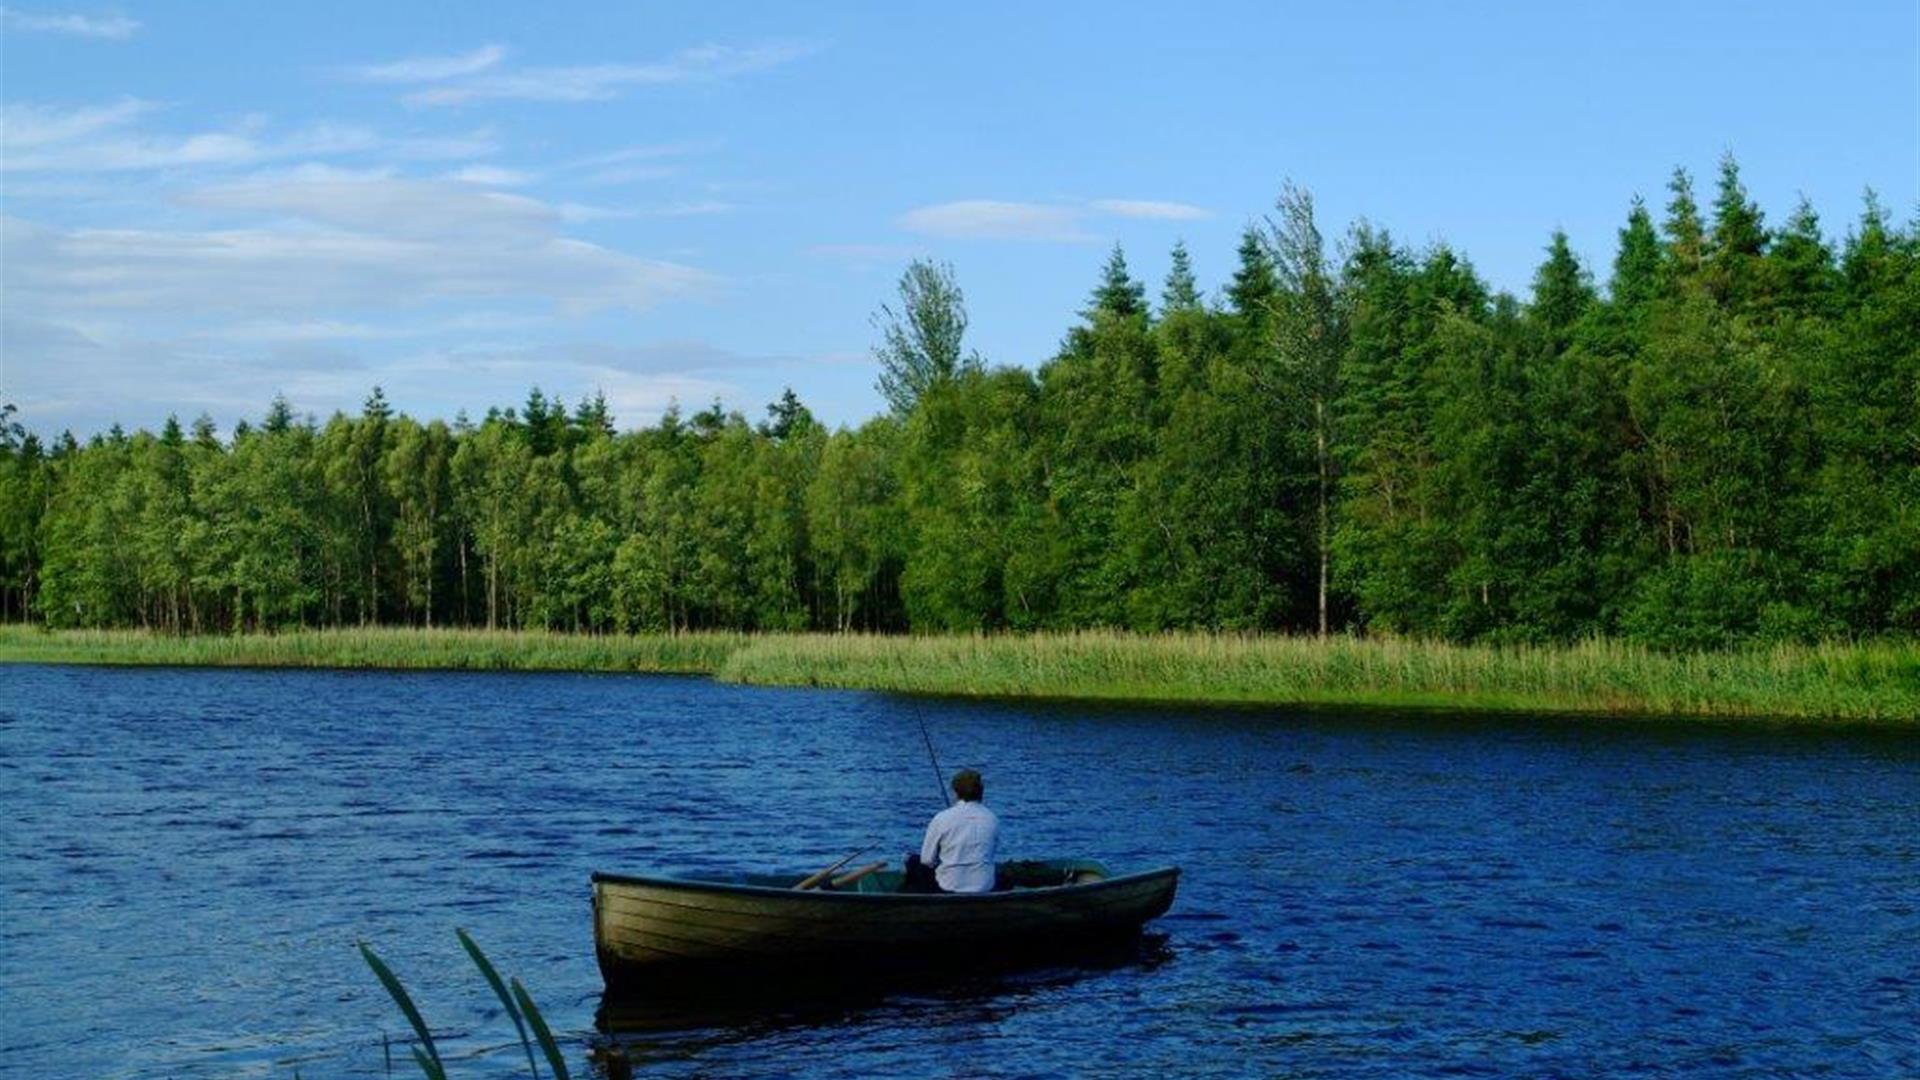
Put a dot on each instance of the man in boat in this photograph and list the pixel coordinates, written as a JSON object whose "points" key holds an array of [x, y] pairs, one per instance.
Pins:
{"points": [[958, 854]]}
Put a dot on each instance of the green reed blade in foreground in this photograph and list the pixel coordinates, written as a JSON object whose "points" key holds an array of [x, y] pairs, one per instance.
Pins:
{"points": [[430, 1061], [540, 1031], [500, 989]]}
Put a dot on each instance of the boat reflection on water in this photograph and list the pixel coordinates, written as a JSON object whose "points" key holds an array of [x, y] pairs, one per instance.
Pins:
{"points": [[680, 1022]]}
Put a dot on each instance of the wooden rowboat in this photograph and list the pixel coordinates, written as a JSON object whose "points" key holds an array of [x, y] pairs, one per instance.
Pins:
{"points": [[760, 926]]}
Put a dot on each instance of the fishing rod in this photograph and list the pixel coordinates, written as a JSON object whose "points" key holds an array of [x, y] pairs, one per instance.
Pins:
{"points": [[939, 774]]}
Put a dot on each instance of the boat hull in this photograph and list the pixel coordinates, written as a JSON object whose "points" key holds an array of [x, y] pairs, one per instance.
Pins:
{"points": [[651, 929]]}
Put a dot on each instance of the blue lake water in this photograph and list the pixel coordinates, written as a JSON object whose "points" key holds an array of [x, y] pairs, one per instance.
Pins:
{"points": [[187, 858]]}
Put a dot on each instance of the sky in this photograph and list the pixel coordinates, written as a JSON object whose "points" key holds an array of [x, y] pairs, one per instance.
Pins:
{"points": [[203, 205]]}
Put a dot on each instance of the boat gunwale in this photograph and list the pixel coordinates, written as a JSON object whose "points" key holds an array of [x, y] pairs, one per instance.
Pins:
{"points": [[835, 896]]}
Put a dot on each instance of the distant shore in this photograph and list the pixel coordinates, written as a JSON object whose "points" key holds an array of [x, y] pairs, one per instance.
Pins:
{"points": [[1834, 682]]}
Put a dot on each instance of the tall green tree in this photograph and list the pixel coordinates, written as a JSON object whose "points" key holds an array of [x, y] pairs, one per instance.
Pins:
{"points": [[922, 340]]}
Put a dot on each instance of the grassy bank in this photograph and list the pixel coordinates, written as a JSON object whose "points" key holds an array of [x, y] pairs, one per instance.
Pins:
{"points": [[1840, 682], [382, 647], [1857, 682]]}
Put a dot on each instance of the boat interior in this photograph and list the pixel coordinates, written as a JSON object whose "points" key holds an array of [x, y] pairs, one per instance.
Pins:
{"points": [[1012, 876]]}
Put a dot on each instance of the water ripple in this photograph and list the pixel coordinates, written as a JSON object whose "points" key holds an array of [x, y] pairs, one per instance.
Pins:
{"points": [[190, 855]]}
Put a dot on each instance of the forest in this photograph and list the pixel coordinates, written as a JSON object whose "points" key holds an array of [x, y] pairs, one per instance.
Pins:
{"points": [[1719, 444]]}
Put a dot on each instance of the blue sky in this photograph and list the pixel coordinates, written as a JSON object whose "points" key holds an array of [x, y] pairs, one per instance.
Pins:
{"points": [[209, 203]]}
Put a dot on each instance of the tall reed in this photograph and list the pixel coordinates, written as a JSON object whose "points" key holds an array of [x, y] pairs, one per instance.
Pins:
{"points": [[518, 1004], [1837, 681]]}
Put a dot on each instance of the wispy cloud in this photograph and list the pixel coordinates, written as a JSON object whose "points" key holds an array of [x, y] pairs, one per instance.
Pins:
{"points": [[102, 138], [600, 82], [695, 208], [108, 27], [988, 219], [492, 176], [864, 253], [633, 163], [316, 247], [1150, 209], [421, 69]]}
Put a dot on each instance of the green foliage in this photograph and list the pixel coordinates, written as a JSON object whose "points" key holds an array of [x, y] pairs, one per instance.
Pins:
{"points": [[427, 1054], [500, 991], [512, 996], [1722, 448], [555, 1059], [921, 342]]}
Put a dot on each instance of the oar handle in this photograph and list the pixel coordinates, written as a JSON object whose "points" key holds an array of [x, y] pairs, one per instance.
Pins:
{"points": [[845, 880], [817, 877]]}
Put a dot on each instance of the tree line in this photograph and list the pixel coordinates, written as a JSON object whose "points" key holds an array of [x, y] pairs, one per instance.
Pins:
{"points": [[1721, 444]]}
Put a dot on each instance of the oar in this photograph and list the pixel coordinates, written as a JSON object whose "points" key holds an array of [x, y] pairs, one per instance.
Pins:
{"points": [[845, 880], [814, 879]]}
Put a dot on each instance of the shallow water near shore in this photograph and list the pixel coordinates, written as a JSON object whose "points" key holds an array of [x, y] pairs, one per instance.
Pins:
{"points": [[189, 856]]}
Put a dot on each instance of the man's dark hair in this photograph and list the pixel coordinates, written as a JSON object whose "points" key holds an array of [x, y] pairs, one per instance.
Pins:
{"points": [[967, 785]]}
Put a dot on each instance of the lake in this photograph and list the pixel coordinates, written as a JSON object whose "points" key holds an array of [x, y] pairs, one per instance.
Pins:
{"points": [[189, 856]]}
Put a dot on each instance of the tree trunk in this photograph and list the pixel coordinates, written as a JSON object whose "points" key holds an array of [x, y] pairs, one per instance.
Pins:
{"points": [[1320, 447]]}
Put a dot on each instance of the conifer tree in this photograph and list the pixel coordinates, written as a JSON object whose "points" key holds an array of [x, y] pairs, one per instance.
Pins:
{"points": [[1251, 293], [1685, 235], [1180, 293], [1118, 294], [1636, 266], [1739, 239], [1802, 263], [1561, 292]]}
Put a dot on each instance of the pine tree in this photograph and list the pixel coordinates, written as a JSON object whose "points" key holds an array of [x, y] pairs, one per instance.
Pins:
{"points": [[592, 417], [1180, 293], [1802, 263], [1636, 267], [1117, 294], [1686, 237], [1254, 286], [280, 415], [787, 417], [1738, 226], [1738, 241], [1561, 292]]}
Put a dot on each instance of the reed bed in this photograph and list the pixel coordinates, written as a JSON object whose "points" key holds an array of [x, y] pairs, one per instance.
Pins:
{"points": [[1864, 682], [1877, 682], [379, 647]]}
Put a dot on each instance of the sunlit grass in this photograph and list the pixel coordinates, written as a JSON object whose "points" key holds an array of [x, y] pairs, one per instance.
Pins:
{"points": [[1878, 682], [378, 647], [1859, 682]]}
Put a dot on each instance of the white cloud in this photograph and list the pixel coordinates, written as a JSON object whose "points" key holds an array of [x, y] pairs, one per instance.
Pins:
{"points": [[419, 69], [322, 243], [695, 208], [988, 219], [864, 252], [1150, 209], [26, 126], [98, 138], [600, 82], [992, 220], [271, 331], [492, 176], [109, 27]]}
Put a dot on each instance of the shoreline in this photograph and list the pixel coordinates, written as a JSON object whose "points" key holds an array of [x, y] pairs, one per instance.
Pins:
{"points": [[1874, 683]]}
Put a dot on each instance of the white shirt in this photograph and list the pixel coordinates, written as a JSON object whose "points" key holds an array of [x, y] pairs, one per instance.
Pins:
{"points": [[960, 845]]}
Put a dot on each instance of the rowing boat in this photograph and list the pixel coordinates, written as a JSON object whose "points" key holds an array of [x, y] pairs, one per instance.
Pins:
{"points": [[760, 925]]}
